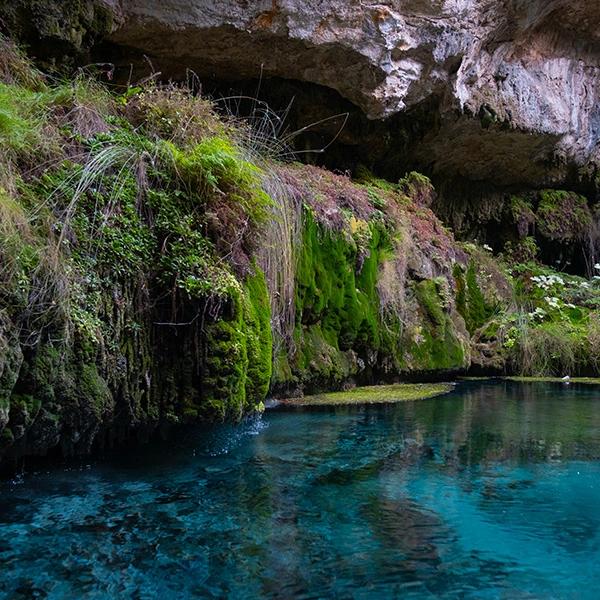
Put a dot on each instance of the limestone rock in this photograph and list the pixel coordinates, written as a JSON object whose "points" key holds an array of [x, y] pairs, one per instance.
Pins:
{"points": [[517, 81]]}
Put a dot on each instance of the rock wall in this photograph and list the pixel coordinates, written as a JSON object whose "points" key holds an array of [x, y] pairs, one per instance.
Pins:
{"points": [[516, 81], [159, 270]]}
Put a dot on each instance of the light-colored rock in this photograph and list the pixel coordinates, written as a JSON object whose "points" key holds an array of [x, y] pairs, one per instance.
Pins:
{"points": [[518, 81]]}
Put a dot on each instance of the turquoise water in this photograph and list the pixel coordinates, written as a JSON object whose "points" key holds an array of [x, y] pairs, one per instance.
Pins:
{"points": [[490, 492]]}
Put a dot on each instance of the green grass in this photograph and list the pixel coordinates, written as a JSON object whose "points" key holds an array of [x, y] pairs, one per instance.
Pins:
{"points": [[379, 394], [21, 119]]}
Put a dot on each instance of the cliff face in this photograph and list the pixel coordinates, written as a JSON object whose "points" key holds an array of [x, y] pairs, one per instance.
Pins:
{"points": [[157, 269], [516, 81], [161, 265]]}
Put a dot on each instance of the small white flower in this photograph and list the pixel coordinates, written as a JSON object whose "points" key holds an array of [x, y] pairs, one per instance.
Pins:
{"points": [[597, 266], [489, 249], [538, 313]]}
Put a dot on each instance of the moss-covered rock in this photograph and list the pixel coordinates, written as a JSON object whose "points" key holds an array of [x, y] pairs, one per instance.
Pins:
{"points": [[140, 285], [336, 300], [56, 30], [563, 216], [438, 342], [239, 347], [471, 303], [11, 358]]}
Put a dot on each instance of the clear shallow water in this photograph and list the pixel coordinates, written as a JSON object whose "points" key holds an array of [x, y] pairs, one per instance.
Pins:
{"points": [[490, 492]]}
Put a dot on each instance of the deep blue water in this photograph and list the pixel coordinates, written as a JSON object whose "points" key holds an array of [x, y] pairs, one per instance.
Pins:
{"points": [[490, 492]]}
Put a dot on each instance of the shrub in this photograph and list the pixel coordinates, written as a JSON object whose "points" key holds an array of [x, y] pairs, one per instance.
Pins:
{"points": [[594, 340]]}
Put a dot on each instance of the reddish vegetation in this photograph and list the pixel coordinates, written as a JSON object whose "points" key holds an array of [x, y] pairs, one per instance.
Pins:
{"points": [[327, 194], [432, 238]]}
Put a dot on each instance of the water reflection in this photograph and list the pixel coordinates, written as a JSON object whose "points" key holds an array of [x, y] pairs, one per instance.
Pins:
{"points": [[491, 491]]}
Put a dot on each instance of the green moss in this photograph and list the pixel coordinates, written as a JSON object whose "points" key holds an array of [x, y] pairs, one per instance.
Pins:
{"points": [[418, 188], [43, 373], [317, 359], [332, 293], [522, 214], [7, 438], [376, 394], [238, 363], [563, 216], [26, 407], [470, 300], [226, 361], [218, 166], [259, 338], [337, 302], [365, 176], [94, 390], [523, 251], [11, 357], [435, 344]]}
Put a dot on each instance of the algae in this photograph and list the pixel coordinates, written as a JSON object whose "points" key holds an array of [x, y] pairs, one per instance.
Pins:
{"points": [[578, 380], [403, 392]]}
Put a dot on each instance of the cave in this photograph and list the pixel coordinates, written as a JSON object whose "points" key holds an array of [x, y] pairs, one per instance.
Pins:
{"points": [[476, 162]]}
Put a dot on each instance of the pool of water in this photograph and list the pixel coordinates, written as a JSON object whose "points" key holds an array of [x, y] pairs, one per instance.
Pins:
{"points": [[490, 492]]}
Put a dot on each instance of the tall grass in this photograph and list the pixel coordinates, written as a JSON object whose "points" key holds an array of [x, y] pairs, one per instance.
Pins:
{"points": [[594, 340], [550, 349], [264, 133], [391, 284], [15, 69], [22, 120], [278, 258]]}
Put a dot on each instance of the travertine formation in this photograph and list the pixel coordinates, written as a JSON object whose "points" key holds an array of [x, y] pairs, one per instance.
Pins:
{"points": [[516, 81]]}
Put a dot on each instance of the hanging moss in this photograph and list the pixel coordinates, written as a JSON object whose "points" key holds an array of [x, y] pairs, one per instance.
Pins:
{"points": [[563, 216], [259, 338], [522, 214], [336, 297], [239, 347], [470, 300], [435, 344], [226, 361]]}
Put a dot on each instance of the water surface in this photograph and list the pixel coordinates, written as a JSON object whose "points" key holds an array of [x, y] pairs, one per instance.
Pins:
{"points": [[490, 492]]}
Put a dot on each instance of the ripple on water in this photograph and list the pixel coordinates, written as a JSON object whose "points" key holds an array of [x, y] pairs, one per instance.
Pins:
{"points": [[489, 492]]}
